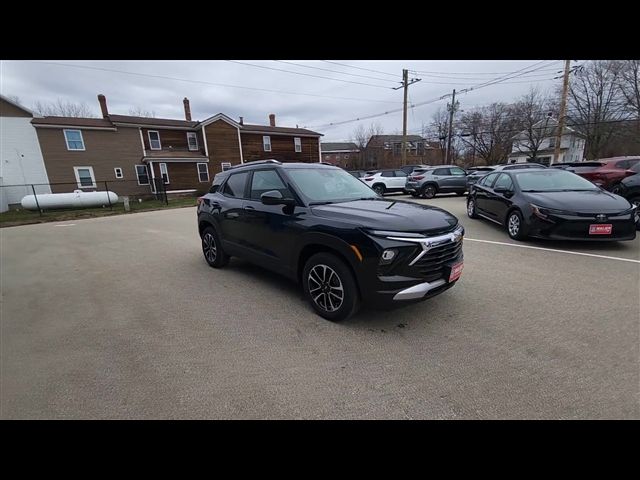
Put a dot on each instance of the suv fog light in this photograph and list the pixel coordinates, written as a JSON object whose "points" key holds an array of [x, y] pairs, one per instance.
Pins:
{"points": [[388, 256]]}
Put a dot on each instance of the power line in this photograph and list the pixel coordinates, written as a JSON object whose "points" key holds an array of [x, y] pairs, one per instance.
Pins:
{"points": [[202, 82], [307, 74], [455, 77], [336, 71], [463, 73], [359, 68]]}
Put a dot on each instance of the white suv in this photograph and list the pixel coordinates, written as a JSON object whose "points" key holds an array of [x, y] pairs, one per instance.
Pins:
{"points": [[386, 181]]}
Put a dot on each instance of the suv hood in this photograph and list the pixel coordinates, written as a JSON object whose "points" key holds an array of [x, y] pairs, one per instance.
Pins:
{"points": [[384, 214], [596, 201]]}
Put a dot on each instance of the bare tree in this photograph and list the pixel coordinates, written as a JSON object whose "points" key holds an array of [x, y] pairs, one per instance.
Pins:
{"points": [[532, 119], [139, 112], [361, 136], [630, 86], [440, 126], [14, 98], [487, 132], [62, 108], [597, 104]]}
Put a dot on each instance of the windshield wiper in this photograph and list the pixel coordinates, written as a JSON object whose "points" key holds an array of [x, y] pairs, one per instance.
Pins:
{"points": [[368, 198], [320, 203]]}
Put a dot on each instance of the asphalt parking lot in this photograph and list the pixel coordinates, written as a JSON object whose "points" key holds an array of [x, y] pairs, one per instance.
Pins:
{"points": [[120, 317]]}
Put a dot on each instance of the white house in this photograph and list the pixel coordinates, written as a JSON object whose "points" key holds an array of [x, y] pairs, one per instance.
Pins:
{"points": [[571, 145], [20, 156]]}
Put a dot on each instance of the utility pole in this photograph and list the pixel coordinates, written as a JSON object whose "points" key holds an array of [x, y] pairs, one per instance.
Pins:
{"points": [[452, 109], [405, 85], [563, 110]]}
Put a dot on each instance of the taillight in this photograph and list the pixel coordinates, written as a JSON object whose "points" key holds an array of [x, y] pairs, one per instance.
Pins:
{"points": [[368, 179], [418, 177], [628, 173]]}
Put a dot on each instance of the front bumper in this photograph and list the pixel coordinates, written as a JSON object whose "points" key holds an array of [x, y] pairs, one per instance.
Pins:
{"points": [[418, 291], [575, 228]]}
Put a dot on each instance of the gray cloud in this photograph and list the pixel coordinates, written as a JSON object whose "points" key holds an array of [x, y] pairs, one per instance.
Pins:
{"points": [[39, 81]]}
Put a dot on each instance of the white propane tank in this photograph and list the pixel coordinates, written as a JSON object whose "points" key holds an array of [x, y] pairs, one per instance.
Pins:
{"points": [[77, 199]]}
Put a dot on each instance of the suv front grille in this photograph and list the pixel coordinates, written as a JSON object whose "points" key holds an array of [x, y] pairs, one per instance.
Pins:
{"points": [[431, 265]]}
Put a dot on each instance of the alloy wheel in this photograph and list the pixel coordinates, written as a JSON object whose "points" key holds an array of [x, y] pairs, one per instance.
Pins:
{"points": [[471, 207], [325, 288], [209, 247], [514, 225]]}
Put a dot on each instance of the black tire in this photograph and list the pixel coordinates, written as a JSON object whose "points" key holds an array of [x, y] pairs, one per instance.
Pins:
{"points": [[471, 208], [415, 194], [516, 230], [313, 282], [217, 257], [429, 191], [616, 188], [459, 194], [379, 188], [636, 201]]}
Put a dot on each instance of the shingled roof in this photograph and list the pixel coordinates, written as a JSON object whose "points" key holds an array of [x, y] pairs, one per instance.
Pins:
{"points": [[338, 147], [160, 122], [72, 122], [285, 130]]}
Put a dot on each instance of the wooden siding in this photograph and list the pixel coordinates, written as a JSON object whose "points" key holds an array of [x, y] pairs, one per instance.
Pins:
{"points": [[104, 150], [282, 148], [9, 110], [183, 176], [172, 140], [222, 143]]}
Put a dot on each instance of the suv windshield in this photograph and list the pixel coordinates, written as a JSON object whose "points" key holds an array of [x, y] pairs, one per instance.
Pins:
{"points": [[552, 181], [328, 185]]}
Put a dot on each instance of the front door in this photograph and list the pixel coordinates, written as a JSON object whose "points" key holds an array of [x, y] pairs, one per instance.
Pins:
{"points": [[231, 212]]}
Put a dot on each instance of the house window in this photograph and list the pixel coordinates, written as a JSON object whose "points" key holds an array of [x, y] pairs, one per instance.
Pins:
{"points": [[164, 173], [192, 140], [203, 172], [74, 139], [298, 144], [420, 148], [118, 172], [142, 174], [346, 156], [396, 148], [85, 177], [225, 166], [552, 142], [154, 140], [266, 143]]}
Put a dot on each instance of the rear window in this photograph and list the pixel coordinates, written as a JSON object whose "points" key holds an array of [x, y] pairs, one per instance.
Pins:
{"points": [[234, 187]]}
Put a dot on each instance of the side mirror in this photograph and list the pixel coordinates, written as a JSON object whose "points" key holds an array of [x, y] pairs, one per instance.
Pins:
{"points": [[274, 197]]}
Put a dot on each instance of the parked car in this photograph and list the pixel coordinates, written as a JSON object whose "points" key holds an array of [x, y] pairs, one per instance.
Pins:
{"points": [[410, 168], [606, 173], [629, 188], [476, 173], [517, 166], [358, 173], [551, 203], [386, 181], [428, 181], [322, 227]]}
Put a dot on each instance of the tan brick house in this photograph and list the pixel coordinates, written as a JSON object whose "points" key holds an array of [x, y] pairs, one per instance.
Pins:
{"points": [[134, 154]]}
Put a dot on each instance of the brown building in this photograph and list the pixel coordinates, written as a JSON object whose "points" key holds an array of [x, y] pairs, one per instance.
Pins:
{"points": [[345, 155], [385, 151], [134, 154]]}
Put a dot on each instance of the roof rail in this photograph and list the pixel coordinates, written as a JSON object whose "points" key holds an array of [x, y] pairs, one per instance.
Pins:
{"points": [[256, 162]]}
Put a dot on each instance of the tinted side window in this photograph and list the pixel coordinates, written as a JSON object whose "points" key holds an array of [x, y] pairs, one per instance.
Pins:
{"points": [[457, 171], [488, 180], [265, 181], [387, 173], [236, 184], [400, 173], [504, 181], [441, 171], [623, 164]]}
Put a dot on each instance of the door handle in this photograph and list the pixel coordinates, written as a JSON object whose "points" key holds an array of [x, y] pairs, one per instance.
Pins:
{"points": [[232, 215], [248, 207]]}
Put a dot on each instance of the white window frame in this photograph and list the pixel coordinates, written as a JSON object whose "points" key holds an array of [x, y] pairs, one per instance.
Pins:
{"points": [[159, 141], [297, 142], [225, 164], [118, 172], [93, 177], [65, 130], [163, 166], [138, 176], [206, 166], [195, 136], [266, 142]]}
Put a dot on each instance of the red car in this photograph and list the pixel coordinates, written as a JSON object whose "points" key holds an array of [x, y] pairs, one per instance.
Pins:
{"points": [[605, 172]]}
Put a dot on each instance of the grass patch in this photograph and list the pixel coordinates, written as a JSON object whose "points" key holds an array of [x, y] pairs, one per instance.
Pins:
{"points": [[24, 217]]}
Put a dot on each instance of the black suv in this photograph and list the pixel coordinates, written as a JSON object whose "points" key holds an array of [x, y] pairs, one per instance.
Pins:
{"points": [[319, 225]]}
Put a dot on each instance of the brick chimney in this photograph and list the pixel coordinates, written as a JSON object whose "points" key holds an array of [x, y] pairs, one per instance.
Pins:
{"points": [[272, 119], [187, 109], [103, 105], [241, 121]]}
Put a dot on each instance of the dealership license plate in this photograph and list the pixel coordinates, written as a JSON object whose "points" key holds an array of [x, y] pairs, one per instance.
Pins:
{"points": [[456, 271], [600, 229]]}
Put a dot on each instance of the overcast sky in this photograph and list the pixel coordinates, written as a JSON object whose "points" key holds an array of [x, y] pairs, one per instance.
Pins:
{"points": [[371, 93]]}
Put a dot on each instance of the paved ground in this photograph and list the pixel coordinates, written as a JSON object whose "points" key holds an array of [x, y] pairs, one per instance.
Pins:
{"points": [[121, 318]]}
